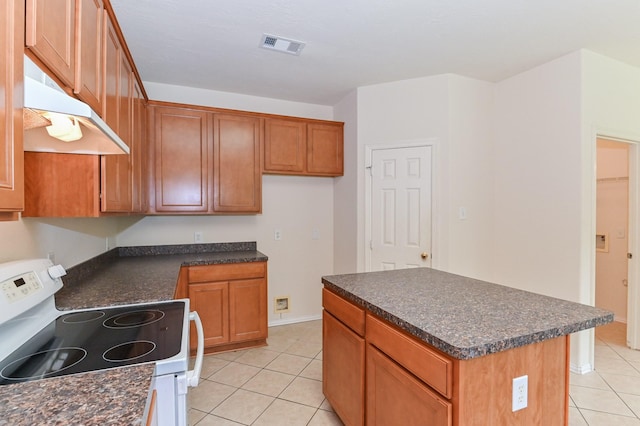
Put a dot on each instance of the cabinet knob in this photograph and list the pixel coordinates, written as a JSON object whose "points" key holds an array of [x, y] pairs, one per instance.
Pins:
{"points": [[424, 255]]}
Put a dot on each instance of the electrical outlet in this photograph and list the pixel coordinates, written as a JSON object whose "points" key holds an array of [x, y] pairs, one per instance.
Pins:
{"points": [[315, 234], [520, 393], [52, 257], [277, 234], [197, 237]]}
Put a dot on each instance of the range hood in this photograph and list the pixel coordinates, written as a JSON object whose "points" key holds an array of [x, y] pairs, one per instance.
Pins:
{"points": [[42, 96]]}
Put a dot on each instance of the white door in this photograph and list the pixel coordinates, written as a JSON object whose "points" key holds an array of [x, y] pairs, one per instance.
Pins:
{"points": [[400, 210]]}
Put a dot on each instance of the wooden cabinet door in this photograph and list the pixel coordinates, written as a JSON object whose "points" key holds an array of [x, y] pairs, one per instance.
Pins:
{"points": [[116, 169], [285, 146], [50, 35], [181, 154], [111, 52], [247, 310], [325, 149], [61, 185], [139, 152], [237, 180], [11, 140], [395, 397], [211, 301], [343, 369], [89, 69]]}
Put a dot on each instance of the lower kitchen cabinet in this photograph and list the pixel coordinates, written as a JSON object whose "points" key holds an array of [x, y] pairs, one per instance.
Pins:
{"points": [[343, 358], [394, 396], [231, 300]]}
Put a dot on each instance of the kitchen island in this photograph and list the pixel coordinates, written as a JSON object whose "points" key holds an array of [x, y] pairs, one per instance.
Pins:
{"points": [[421, 346]]}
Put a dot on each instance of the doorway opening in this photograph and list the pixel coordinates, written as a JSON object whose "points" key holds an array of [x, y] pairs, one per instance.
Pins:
{"points": [[616, 225]]}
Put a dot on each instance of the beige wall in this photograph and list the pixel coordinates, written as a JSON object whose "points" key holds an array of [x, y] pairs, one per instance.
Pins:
{"points": [[345, 191], [455, 112]]}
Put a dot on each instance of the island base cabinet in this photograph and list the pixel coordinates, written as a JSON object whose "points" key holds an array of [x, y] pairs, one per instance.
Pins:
{"points": [[395, 397], [483, 389], [409, 382], [343, 370]]}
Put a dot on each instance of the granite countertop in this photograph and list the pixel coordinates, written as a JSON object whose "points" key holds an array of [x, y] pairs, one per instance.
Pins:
{"points": [[109, 397], [123, 275], [143, 274], [464, 317]]}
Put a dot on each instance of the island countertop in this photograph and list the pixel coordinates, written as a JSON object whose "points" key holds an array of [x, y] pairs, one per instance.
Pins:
{"points": [[464, 317]]}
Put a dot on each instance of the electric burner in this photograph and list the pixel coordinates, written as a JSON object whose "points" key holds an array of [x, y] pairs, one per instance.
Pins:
{"points": [[134, 319], [129, 351], [43, 364]]}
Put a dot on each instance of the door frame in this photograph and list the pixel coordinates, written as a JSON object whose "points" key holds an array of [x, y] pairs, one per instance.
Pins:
{"points": [[368, 185], [633, 268]]}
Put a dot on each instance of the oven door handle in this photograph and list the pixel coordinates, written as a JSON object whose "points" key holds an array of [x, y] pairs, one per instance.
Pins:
{"points": [[193, 376]]}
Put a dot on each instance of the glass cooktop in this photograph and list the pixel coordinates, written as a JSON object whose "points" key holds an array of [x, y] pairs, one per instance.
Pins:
{"points": [[97, 339]]}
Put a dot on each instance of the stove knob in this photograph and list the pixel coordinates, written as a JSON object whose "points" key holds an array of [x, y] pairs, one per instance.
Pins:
{"points": [[56, 271]]}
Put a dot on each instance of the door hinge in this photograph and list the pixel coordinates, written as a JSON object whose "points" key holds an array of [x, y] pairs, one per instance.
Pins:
{"points": [[370, 168], [370, 244]]}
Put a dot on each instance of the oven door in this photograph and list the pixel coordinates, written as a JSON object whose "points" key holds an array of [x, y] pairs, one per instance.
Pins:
{"points": [[167, 400]]}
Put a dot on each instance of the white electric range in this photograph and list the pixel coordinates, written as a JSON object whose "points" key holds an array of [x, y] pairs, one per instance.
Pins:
{"points": [[39, 341]]}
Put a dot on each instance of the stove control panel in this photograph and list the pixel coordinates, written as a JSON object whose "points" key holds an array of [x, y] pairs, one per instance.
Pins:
{"points": [[27, 288], [21, 286]]}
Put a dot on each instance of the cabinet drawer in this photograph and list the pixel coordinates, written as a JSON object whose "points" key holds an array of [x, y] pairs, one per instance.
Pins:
{"points": [[228, 271], [351, 315], [395, 397], [424, 362]]}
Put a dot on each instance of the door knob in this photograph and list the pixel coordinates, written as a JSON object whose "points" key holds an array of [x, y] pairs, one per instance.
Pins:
{"points": [[424, 255]]}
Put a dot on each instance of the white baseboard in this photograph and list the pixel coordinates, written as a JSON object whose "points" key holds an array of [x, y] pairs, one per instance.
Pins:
{"points": [[294, 320], [581, 369]]}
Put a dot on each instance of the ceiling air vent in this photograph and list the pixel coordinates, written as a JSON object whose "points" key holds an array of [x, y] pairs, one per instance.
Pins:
{"points": [[281, 44]]}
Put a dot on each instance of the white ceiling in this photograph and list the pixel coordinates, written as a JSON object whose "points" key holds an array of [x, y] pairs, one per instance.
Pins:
{"points": [[351, 43]]}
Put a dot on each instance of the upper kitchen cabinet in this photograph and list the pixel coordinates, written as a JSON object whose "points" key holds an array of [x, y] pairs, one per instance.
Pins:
{"points": [[303, 147], [237, 181], [50, 35], [285, 146], [118, 114], [204, 161], [72, 185], [325, 149], [11, 138], [139, 152], [89, 58], [181, 150], [61, 185]]}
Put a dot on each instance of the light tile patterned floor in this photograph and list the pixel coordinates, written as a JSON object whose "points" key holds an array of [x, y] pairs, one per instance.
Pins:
{"points": [[281, 384], [610, 395]]}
